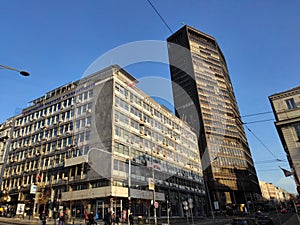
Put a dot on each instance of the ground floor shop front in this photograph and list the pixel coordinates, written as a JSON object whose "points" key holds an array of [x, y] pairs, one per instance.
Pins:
{"points": [[140, 202]]}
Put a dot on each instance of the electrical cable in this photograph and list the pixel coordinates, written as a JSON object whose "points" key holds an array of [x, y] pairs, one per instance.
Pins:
{"points": [[160, 16], [262, 143], [266, 170], [270, 161], [258, 121], [257, 114]]}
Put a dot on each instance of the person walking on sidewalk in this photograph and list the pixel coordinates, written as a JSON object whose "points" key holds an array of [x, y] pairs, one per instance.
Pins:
{"points": [[107, 219], [61, 218], [86, 218], [65, 217], [131, 219], [92, 219], [43, 218]]}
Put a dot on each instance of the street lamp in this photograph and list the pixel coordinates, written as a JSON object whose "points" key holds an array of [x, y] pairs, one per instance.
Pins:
{"points": [[152, 170], [22, 72], [129, 184], [208, 193]]}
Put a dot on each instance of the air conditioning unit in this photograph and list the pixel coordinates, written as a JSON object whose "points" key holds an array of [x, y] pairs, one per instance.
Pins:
{"points": [[68, 133], [89, 111], [88, 126]]}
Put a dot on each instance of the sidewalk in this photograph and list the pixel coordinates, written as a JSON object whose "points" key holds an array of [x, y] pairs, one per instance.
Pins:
{"points": [[36, 221], [80, 221]]}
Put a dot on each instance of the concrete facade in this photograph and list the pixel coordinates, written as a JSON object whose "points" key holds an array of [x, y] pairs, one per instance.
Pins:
{"points": [[286, 108], [96, 144]]}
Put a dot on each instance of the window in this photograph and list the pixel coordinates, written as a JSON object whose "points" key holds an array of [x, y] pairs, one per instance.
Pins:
{"points": [[290, 103], [297, 129]]}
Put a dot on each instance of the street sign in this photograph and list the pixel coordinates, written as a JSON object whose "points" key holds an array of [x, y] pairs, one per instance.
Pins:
{"points": [[216, 204], [186, 207], [20, 209], [151, 184], [185, 203], [33, 188]]}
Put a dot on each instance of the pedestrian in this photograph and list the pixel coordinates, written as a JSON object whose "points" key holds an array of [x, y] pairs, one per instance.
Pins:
{"points": [[86, 217], [113, 218], [43, 218], [107, 218], [92, 219], [61, 218], [131, 219], [65, 217], [117, 219]]}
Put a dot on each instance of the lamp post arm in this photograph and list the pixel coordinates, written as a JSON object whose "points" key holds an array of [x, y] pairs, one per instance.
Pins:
{"points": [[9, 68], [24, 73], [209, 199]]}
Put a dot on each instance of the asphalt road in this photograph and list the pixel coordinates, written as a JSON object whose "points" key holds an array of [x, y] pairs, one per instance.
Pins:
{"points": [[284, 219], [278, 219]]}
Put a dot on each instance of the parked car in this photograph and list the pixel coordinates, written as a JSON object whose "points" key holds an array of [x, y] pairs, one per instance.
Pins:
{"points": [[244, 221], [284, 210], [264, 220]]}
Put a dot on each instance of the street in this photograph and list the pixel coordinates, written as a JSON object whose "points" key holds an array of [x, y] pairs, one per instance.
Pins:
{"points": [[284, 219], [278, 219]]}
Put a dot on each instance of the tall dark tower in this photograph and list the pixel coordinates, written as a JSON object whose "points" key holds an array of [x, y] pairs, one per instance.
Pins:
{"points": [[203, 96]]}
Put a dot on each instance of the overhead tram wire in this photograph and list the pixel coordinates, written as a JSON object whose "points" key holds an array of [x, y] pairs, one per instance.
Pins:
{"points": [[267, 170], [270, 161], [257, 114], [160, 16], [262, 143], [258, 121]]}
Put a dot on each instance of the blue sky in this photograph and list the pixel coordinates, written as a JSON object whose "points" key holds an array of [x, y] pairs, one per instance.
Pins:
{"points": [[57, 41]]}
